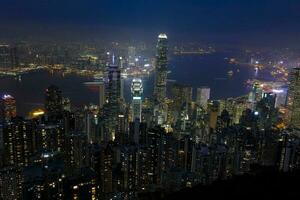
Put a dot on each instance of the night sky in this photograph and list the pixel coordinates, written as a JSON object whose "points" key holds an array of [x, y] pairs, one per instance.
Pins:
{"points": [[219, 19]]}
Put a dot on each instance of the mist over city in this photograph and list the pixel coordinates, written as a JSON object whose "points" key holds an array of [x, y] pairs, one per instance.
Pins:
{"points": [[149, 99]]}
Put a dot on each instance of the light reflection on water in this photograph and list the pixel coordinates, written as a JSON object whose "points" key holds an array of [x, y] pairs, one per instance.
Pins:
{"points": [[211, 70]]}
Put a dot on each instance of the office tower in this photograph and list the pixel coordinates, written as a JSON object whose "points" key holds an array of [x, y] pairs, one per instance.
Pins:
{"points": [[266, 110], [101, 94], [213, 111], [113, 99], [203, 95], [184, 121], [113, 88], [106, 168], [8, 57], [160, 114], [185, 152], [136, 91], [121, 130], [161, 70], [53, 101], [281, 97], [255, 95], [5, 56], [182, 96], [7, 107], [14, 60], [135, 132], [294, 98], [91, 122], [131, 55]]}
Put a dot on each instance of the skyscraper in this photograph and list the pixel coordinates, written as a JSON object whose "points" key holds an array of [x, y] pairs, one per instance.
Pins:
{"points": [[113, 87], [137, 91], [203, 95], [181, 94], [53, 101], [294, 98], [4, 56], [101, 94], [8, 57], [7, 107], [161, 69], [113, 99]]}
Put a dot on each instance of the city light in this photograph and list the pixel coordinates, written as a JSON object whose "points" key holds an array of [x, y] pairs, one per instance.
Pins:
{"points": [[98, 102]]}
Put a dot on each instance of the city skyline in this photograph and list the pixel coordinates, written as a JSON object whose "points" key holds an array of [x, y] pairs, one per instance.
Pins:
{"points": [[149, 100]]}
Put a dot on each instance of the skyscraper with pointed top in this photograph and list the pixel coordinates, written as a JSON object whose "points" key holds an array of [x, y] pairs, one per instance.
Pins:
{"points": [[161, 69]]}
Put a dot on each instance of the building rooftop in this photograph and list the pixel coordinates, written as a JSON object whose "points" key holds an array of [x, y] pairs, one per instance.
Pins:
{"points": [[163, 36]]}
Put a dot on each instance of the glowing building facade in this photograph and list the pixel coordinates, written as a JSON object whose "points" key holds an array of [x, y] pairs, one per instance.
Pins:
{"points": [[137, 91], [161, 68], [7, 107], [203, 95], [294, 98]]}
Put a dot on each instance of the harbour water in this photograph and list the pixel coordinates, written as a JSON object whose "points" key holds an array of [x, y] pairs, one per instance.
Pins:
{"points": [[209, 70]]}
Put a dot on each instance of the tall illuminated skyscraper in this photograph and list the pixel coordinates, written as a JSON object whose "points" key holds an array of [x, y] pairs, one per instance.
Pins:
{"points": [[294, 98], [113, 99], [7, 107], [137, 91], [203, 95], [161, 69]]}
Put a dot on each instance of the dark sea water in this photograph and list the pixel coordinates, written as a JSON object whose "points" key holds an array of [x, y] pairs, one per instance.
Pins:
{"points": [[209, 70]]}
